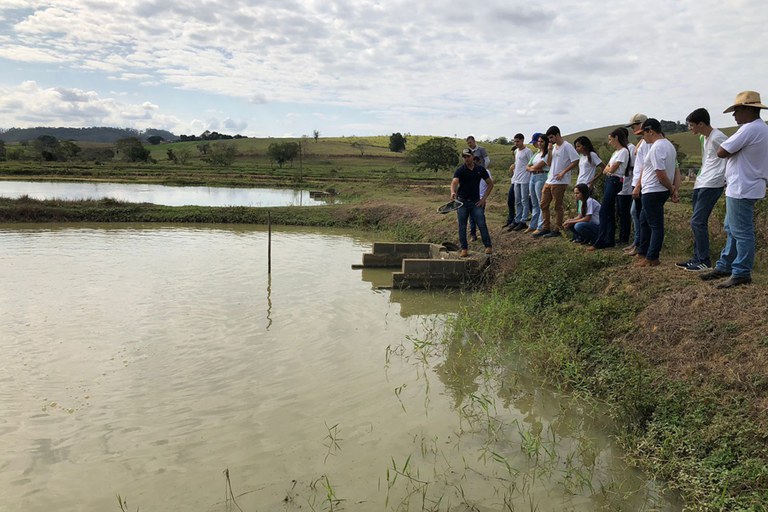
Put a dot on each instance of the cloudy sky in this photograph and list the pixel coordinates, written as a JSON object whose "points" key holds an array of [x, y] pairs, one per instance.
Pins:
{"points": [[366, 67]]}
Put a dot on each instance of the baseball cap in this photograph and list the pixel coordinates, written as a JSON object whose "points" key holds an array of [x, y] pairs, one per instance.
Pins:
{"points": [[636, 119], [535, 138]]}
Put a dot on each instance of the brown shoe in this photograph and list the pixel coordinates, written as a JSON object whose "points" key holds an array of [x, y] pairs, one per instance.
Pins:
{"points": [[529, 230], [644, 262], [464, 253], [591, 248], [488, 250]]}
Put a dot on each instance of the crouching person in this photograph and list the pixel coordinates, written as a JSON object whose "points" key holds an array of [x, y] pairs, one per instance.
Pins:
{"points": [[586, 225]]}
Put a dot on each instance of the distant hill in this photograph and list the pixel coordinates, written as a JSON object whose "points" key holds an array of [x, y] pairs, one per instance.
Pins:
{"points": [[95, 134]]}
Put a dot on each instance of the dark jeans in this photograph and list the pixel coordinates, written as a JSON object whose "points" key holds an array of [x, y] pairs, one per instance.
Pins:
{"points": [[704, 200], [623, 212], [467, 211], [586, 231], [511, 204], [606, 236], [652, 224]]}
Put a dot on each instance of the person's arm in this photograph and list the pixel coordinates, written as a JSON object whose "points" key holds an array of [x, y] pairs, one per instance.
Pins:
{"points": [[568, 169], [661, 175], [598, 169], [636, 191], [454, 187], [722, 153], [511, 170], [489, 187], [676, 186]]}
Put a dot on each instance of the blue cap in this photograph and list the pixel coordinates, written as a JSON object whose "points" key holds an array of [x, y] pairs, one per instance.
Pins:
{"points": [[535, 138]]}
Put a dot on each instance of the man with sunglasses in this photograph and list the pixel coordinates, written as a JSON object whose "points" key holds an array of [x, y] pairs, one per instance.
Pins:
{"points": [[746, 174], [465, 187]]}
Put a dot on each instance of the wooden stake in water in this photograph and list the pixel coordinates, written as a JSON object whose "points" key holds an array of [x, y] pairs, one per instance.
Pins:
{"points": [[269, 242]]}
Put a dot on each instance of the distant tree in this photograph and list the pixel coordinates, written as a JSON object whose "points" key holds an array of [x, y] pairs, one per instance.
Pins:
{"points": [[47, 148], [316, 134], [183, 154], [397, 142], [221, 154], [131, 149], [670, 127], [70, 150], [360, 146], [282, 152], [2, 151], [437, 153], [155, 139], [171, 155], [501, 140], [203, 148]]}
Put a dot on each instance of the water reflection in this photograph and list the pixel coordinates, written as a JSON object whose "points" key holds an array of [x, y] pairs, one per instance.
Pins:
{"points": [[159, 194]]}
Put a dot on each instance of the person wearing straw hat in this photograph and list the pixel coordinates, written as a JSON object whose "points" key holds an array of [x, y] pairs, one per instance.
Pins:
{"points": [[746, 174], [465, 187]]}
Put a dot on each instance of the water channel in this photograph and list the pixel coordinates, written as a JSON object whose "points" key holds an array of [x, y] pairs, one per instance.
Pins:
{"points": [[158, 194], [147, 360]]}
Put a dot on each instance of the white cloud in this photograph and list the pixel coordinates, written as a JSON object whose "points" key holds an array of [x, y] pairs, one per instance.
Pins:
{"points": [[510, 66]]}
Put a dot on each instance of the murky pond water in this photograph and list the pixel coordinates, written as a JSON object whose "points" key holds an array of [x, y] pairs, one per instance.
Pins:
{"points": [[145, 361], [158, 194]]}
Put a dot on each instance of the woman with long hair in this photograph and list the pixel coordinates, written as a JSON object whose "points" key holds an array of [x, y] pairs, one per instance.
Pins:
{"points": [[614, 172], [586, 224], [539, 170], [589, 161]]}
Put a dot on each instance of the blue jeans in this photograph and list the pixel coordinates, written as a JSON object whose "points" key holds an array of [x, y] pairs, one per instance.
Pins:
{"points": [[607, 235], [652, 224], [738, 255], [704, 200], [473, 224], [511, 204], [534, 190], [637, 207], [587, 231], [521, 201], [467, 211]]}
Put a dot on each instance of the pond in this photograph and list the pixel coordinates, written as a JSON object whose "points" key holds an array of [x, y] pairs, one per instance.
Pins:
{"points": [[160, 194], [165, 365]]}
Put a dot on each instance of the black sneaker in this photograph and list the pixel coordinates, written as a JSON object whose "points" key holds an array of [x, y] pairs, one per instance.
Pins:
{"points": [[541, 234], [512, 227], [552, 234], [697, 267], [683, 264], [509, 223], [714, 274], [520, 226]]}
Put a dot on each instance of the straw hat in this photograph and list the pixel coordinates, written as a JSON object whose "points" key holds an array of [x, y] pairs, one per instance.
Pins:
{"points": [[746, 99]]}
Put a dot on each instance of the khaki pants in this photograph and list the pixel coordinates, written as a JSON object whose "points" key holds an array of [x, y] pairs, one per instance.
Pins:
{"points": [[548, 193]]}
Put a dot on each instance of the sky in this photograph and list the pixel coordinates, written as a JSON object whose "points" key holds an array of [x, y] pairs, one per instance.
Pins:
{"points": [[285, 68]]}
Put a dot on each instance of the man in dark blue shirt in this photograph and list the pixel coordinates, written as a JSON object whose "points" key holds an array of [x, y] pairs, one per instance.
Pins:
{"points": [[466, 188]]}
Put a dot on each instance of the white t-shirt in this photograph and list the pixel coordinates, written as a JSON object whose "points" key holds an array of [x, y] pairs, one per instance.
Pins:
{"points": [[593, 209], [746, 170], [562, 157], [620, 156], [522, 157], [712, 173], [484, 185], [626, 188], [642, 151], [538, 158], [587, 167], [661, 156]]}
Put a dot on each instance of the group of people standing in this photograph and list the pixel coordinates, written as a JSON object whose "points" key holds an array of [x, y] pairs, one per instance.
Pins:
{"points": [[638, 180]]}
